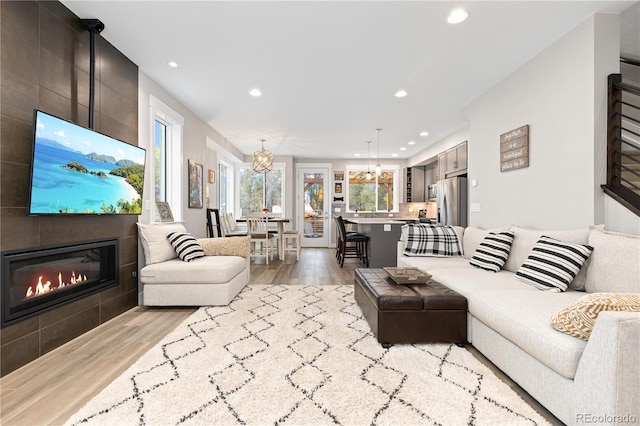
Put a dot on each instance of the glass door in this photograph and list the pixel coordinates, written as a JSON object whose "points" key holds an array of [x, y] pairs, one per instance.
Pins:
{"points": [[313, 206]]}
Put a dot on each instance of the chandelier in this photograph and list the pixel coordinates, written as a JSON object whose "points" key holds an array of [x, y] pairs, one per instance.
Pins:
{"points": [[262, 160]]}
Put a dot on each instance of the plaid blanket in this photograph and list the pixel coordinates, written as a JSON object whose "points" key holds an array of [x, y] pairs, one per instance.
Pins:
{"points": [[432, 240]]}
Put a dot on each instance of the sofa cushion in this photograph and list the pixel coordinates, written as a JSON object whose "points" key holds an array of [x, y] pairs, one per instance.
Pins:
{"points": [[154, 241], [186, 247], [468, 280], [524, 239], [431, 240], [615, 263], [204, 270], [229, 246], [578, 318], [523, 318], [553, 264], [493, 251]]}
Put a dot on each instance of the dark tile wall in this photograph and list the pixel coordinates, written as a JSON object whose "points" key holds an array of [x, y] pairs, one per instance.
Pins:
{"points": [[45, 65]]}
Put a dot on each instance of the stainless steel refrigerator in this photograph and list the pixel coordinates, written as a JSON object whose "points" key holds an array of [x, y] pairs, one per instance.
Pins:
{"points": [[451, 199]]}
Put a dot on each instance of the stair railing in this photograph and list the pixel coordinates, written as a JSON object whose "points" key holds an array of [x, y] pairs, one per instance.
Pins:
{"points": [[623, 144]]}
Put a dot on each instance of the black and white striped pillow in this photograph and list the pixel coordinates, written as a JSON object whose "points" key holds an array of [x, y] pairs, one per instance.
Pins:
{"points": [[493, 251], [186, 247], [552, 264]]}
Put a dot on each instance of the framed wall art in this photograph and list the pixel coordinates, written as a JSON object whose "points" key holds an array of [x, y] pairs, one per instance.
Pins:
{"points": [[212, 176], [196, 192], [164, 211], [338, 175], [338, 188], [514, 149]]}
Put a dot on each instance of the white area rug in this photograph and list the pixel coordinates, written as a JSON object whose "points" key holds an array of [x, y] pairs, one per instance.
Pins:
{"points": [[301, 355]]}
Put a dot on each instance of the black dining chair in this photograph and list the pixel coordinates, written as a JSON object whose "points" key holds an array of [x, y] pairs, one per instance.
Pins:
{"points": [[352, 244], [213, 223]]}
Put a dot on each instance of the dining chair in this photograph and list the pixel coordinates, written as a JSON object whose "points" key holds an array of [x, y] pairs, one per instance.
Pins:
{"points": [[258, 231], [229, 226], [214, 225], [291, 242]]}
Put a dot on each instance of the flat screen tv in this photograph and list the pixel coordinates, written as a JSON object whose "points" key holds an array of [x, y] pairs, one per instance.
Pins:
{"points": [[75, 170]]}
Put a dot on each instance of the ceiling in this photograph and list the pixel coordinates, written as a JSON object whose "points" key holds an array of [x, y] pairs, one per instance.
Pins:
{"points": [[328, 70]]}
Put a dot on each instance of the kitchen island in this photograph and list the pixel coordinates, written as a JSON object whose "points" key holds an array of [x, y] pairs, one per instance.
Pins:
{"points": [[384, 234]]}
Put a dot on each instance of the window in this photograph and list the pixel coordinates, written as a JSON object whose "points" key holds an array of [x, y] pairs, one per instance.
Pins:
{"points": [[375, 194], [223, 187], [253, 192], [166, 167], [160, 160]]}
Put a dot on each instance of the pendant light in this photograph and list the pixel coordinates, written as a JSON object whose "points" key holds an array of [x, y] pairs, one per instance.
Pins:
{"points": [[368, 175], [378, 168], [262, 161]]}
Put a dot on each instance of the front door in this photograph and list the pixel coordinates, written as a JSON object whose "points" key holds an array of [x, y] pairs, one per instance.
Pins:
{"points": [[313, 205]]}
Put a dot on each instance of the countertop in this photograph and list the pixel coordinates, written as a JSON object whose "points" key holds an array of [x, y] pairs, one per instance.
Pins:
{"points": [[382, 220], [377, 220]]}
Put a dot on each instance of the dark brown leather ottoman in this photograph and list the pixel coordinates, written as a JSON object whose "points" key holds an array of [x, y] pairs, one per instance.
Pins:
{"points": [[415, 313]]}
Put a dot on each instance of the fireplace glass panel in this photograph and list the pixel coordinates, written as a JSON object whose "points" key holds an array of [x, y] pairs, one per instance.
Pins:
{"points": [[36, 280]]}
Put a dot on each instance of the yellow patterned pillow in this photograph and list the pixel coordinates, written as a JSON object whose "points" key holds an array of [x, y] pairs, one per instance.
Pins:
{"points": [[579, 318], [226, 246]]}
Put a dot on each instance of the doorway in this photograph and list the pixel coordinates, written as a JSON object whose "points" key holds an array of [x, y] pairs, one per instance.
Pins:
{"points": [[313, 204]]}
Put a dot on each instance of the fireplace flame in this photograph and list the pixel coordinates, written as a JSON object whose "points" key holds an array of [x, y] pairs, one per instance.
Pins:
{"points": [[42, 288]]}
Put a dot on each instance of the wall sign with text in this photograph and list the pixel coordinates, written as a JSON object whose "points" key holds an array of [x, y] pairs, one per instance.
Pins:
{"points": [[514, 149]]}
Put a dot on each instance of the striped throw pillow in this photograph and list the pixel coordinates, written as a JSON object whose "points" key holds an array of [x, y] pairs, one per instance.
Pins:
{"points": [[493, 251], [552, 264], [186, 247], [579, 318]]}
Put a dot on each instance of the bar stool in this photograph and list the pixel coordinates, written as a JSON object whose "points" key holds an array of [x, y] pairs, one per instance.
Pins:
{"points": [[292, 236], [359, 247]]}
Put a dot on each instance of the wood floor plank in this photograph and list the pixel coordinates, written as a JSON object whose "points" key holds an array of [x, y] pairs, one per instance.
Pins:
{"points": [[50, 389]]}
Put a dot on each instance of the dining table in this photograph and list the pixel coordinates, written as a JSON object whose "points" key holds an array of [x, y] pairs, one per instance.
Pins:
{"points": [[279, 221]]}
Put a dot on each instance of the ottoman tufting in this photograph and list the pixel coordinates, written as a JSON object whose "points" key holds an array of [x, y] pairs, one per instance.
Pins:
{"points": [[415, 313]]}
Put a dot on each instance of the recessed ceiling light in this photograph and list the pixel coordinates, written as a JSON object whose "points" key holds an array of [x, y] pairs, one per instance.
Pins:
{"points": [[255, 92], [403, 149], [394, 155], [401, 93], [411, 143], [457, 15], [424, 133], [356, 155], [173, 64]]}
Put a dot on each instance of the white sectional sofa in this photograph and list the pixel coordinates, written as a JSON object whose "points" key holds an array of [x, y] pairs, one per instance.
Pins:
{"points": [[579, 381], [214, 279]]}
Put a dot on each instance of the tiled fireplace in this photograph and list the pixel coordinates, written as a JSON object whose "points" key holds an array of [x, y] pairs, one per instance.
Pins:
{"points": [[37, 280]]}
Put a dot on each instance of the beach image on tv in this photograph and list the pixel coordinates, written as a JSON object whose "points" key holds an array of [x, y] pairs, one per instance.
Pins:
{"points": [[78, 171]]}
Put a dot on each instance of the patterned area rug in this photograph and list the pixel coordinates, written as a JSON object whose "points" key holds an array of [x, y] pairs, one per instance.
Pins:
{"points": [[301, 355]]}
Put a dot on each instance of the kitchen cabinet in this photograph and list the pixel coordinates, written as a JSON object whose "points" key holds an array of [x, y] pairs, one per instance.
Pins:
{"points": [[456, 160], [431, 174], [414, 179], [442, 166], [383, 239], [430, 178]]}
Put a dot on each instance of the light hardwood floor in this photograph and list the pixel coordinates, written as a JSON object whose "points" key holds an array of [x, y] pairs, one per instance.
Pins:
{"points": [[52, 388]]}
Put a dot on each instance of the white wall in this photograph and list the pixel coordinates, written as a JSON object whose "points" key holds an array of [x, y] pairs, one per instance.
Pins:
{"points": [[195, 135], [561, 95]]}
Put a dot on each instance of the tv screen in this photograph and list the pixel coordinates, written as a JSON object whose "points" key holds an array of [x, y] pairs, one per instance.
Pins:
{"points": [[75, 170]]}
